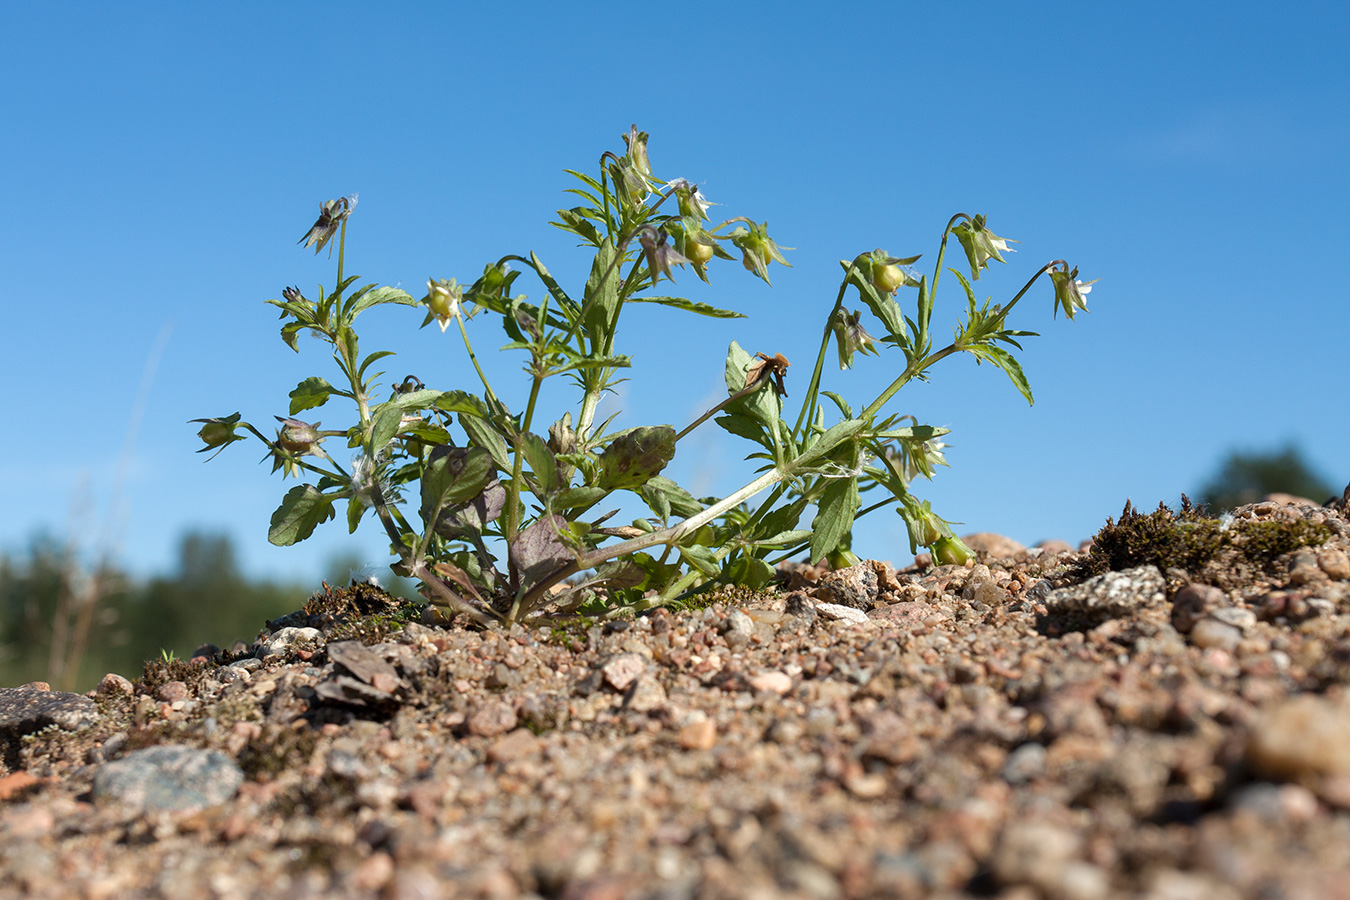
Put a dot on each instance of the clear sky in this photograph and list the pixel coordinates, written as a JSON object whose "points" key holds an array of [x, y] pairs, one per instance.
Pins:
{"points": [[161, 161]]}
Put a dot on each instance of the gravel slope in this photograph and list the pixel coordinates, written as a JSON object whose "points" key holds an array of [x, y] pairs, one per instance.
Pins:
{"points": [[1012, 729]]}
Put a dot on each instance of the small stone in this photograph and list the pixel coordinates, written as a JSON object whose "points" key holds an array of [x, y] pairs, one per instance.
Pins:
{"points": [[1303, 569], [1304, 736], [112, 683], [168, 777], [993, 546], [171, 691], [1334, 563], [1209, 632], [1194, 601], [622, 670], [373, 873], [771, 682], [288, 644], [1026, 763], [700, 735], [491, 719], [16, 783], [842, 613], [517, 744], [646, 695], [1034, 853]]}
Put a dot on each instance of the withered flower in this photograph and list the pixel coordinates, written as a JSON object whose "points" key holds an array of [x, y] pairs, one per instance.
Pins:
{"points": [[776, 366], [660, 254], [332, 213]]}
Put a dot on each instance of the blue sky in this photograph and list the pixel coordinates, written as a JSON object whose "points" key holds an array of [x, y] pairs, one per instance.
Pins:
{"points": [[162, 160]]}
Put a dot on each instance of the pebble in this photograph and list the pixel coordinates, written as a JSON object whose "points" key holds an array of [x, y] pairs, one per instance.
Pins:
{"points": [[1335, 563], [840, 613], [1193, 602], [771, 682], [491, 719], [1211, 632], [699, 735], [1303, 736], [168, 777], [289, 644], [622, 670], [994, 546]]}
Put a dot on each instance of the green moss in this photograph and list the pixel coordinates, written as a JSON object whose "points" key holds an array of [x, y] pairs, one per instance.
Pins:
{"points": [[361, 612], [158, 672], [1189, 540]]}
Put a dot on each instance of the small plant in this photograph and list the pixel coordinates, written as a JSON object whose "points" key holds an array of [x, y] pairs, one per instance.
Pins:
{"points": [[492, 510]]}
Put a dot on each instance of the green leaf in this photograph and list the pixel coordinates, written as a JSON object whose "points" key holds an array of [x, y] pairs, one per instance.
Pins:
{"points": [[701, 558], [355, 509], [376, 296], [834, 516], [632, 459], [552, 284], [834, 436], [577, 497], [388, 417], [379, 354], [683, 303], [572, 221], [543, 464], [311, 392], [1008, 363], [664, 496], [482, 434], [454, 475], [302, 509], [602, 295], [785, 538], [288, 334], [347, 338]]}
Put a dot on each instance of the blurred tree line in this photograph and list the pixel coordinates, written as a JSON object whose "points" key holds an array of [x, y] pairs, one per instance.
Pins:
{"points": [[1247, 477], [68, 623]]}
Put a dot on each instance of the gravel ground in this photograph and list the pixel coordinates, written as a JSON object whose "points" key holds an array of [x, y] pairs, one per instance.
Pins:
{"points": [[1018, 728]]}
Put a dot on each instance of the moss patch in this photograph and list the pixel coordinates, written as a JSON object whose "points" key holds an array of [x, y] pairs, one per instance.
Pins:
{"points": [[1188, 539]]}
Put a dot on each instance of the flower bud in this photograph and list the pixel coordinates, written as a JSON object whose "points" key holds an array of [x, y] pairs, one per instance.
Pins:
{"points": [[951, 551], [758, 249], [299, 437], [218, 433]]}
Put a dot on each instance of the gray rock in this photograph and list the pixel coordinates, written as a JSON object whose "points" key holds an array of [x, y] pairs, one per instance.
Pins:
{"points": [[168, 778], [855, 586], [24, 710], [1114, 594], [842, 613], [287, 644]]}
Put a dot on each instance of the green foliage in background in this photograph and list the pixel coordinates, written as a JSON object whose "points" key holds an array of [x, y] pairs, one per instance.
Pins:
{"points": [[45, 595], [1247, 477]]}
